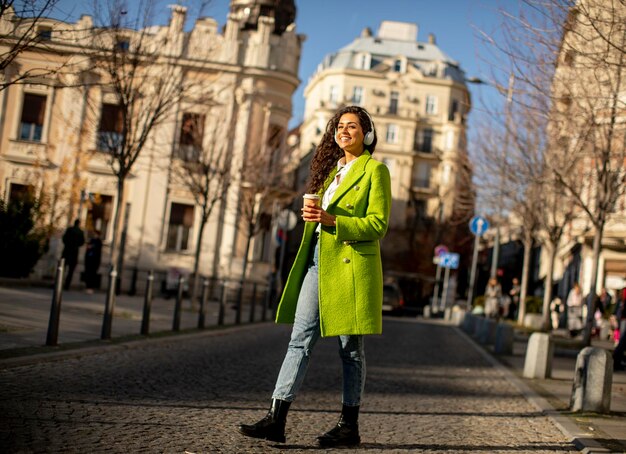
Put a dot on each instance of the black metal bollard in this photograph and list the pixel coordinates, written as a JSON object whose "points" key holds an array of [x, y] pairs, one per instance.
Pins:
{"points": [[203, 301], [55, 308], [133, 282], [147, 305], [109, 307], [238, 305], [220, 316], [253, 303], [179, 304], [266, 303]]}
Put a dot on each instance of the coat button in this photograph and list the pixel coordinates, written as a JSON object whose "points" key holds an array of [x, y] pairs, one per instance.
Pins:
{"points": [[346, 260], [356, 188], [349, 206], [346, 243]]}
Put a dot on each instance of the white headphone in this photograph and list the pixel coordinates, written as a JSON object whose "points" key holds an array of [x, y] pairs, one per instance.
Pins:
{"points": [[369, 137]]}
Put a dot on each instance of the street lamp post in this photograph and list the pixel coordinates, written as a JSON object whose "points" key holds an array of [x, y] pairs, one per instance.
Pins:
{"points": [[507, 123]]}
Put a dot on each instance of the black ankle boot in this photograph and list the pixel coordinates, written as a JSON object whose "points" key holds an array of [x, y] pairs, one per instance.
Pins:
{"points": [[346, 432], [272, 427]]}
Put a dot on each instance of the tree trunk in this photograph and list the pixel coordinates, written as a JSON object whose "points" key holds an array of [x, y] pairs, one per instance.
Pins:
{"points": [[244, 267], [521, 311], [196, 262], [547, 291], [597, 243], [117, 221]]}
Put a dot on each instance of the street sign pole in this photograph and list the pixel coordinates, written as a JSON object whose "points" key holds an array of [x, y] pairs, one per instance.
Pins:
{"points": [[495, 256], [436, 294], [444, 296], [478, 226], [470, 293]]}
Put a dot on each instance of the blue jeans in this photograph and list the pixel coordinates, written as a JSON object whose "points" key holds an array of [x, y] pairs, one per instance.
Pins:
{"points": [[304, 335]]}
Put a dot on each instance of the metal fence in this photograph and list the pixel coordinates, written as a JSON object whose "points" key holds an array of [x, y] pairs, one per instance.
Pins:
{"points": [[249, 300]]}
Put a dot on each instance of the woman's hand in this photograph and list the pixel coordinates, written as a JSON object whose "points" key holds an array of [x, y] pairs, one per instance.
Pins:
{"points": [[316, 214]]}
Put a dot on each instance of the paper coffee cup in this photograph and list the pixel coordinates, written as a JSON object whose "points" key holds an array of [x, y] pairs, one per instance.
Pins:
{"points": [[311, 199]]}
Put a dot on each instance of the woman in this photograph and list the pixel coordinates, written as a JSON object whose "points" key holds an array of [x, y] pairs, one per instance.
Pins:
{"points": [[574, 310], [335, 286], [93, 257], [493, 294]]}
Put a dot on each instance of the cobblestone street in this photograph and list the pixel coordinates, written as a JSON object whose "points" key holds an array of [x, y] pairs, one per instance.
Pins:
{"points": [[427, 390]]}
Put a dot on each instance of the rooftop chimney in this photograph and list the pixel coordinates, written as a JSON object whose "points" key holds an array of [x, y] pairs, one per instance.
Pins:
{"points": [[400, 31]]}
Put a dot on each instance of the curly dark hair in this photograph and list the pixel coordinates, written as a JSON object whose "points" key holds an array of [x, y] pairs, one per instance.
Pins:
{"points": [[328, 152]]}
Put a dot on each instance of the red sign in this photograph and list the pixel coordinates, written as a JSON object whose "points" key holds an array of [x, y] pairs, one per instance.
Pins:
{"points": [[441, 249]]}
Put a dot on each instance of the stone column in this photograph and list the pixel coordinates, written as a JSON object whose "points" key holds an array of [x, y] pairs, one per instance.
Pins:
{"points": [[505, 336], [592, 381], [539, 353]]}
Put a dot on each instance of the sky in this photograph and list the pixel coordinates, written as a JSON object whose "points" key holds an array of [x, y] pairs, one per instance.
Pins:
{"points": [[332, 24]]}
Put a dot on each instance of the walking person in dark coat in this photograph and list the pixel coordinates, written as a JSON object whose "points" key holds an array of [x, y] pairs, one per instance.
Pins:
{"points": [[620, 315], [73, 239], [93, 257]]}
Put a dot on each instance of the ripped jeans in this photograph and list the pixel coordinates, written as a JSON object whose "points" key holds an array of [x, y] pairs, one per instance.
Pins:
{"points": [[304, 335]]}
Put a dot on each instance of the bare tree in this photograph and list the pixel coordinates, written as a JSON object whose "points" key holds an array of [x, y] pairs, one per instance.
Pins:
{"points": [[523, 189], [587, 119], [203, 168], [263, 183], [142, 72], [19, 32], [540, 201], [571, 53]]}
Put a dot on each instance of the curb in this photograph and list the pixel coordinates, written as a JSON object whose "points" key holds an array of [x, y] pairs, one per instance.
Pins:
{"points": [[121, 346], [582, 440]]}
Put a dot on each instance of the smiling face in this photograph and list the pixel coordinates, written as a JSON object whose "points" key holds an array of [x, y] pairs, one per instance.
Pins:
{"points": [[349, 134]]}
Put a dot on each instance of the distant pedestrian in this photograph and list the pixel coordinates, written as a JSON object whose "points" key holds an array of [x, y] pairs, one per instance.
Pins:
{"points": [[514, 294], [93, 257], [493, 295], [604, 303], [556, 308], [574, 310], [335, 287], [620, 316], [73, 239]]}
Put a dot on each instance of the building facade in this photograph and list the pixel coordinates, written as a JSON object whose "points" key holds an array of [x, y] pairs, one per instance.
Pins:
{"points": [[419, 101], [589, 132], [55, 124]]}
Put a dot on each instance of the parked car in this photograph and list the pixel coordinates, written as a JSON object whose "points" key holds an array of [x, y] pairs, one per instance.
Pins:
{"points": [[393, 300]]}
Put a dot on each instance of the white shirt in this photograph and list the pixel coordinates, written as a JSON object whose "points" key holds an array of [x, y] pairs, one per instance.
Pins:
{"points": [[332, 187]]}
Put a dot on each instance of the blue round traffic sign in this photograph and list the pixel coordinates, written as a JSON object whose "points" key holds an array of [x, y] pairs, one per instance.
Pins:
{"points": [[478, 225]]}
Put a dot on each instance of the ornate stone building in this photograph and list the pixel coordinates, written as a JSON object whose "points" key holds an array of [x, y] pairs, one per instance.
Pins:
{"points": [[588, 133], [53, 139]]}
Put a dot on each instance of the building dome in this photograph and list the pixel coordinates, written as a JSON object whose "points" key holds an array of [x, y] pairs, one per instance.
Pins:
{"points": [[283, 12]]}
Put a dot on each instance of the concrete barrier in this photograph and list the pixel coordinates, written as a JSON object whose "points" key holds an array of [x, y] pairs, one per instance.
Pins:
{"points": [[478, 326], [592, 381], [487, 334], [533, 321], [468, 323], [505, 335], [539, 354], [458, 317]]}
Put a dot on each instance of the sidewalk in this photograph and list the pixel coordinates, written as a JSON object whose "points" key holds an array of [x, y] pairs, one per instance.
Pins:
{"points": [[591, 432], [25, 312]]}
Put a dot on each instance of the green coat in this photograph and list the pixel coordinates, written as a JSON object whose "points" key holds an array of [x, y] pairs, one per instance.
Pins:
{"points": [[350, 268]]}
